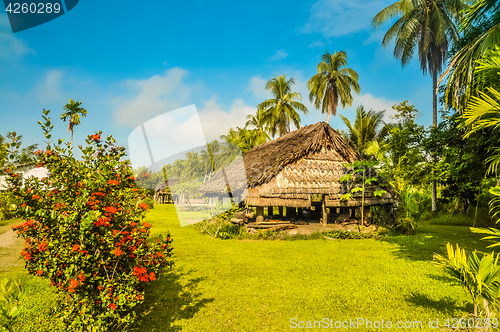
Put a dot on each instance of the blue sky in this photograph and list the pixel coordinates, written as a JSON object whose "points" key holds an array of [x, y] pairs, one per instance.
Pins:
{"points": [[131, 61]]}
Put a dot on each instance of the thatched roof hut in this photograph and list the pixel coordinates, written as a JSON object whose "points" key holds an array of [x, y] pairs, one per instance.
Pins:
{"points": [[161, 194], [287, 170]]}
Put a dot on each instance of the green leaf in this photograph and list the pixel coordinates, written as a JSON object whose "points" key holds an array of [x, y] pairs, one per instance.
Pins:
{"points": [[345, 197], [345, 178]]}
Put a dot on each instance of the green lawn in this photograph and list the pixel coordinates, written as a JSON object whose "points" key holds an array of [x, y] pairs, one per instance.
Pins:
{"points": [[231, 285]]}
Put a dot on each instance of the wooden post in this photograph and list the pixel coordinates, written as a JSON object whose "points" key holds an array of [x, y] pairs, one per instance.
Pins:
{"points": [[290, 212], [323, 208], [366, 214], [270, 211]]}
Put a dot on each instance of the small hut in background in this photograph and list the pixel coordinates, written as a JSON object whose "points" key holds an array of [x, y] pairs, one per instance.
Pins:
{"points": [[286, 171], [162, 194]]}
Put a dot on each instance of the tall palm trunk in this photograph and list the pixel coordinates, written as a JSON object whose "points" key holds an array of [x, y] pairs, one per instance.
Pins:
{"points": [[434, 124]]}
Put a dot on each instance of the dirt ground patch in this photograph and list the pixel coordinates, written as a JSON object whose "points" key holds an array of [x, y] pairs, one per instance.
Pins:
{"points": [[10, 247], [317, 227]]}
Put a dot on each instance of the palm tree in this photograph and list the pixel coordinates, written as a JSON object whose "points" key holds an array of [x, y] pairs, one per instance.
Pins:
{"points": [[368, 127], [430, 26], [280, 111], [72, 112], [426, 24], [481, 27], [258, 122], [332, 84]]}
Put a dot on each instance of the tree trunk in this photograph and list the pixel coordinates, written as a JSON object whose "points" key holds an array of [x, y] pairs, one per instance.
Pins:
{"points": [[71, 146], [434, 124]]}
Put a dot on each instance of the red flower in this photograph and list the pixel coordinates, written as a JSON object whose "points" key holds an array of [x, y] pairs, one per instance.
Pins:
{"points": [[147, 175], [112, 306], [147, 225], [117, 252], [81, 277], [73, 283], [75, 248], [111, 209], [144, 206], [48, 152], [42, 246], [39, 272], [96, 137], [114, 182], [152, 276], [36, 197]]}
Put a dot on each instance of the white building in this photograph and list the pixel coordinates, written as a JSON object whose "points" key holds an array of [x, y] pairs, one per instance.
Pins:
{"points": [[25, 171]]}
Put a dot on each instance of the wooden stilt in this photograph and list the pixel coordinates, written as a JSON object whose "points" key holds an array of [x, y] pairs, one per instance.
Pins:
{"points": [[270, 211], [323, 208]]}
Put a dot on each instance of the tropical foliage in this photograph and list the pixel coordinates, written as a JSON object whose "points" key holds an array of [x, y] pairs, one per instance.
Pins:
{"points": [[84, 232], [73, 113], [280, 112], [368, 129], [333, 84]]}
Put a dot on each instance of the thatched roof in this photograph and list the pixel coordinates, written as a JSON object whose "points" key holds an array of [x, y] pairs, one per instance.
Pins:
{"points": [[311, 155], [163, 185]]}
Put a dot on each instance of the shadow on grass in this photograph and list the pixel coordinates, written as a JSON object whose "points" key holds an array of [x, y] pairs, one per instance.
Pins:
{"points": [[432, 239], [446, 305], [171, 298]]}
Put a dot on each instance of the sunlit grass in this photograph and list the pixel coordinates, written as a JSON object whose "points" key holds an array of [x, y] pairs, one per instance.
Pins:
{"points": [[238, 285]]}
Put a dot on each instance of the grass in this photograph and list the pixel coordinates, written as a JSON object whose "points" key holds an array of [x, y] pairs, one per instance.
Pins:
{"points": [[238, 285]]}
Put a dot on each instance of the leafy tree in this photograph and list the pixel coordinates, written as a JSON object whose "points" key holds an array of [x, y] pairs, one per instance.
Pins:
{"points": [[280, 111], [368, 127], [430, 26], [73, 112], [333, 83], [461, 165], [405, 162], [360, 177], [84, 231], [245, 139]]}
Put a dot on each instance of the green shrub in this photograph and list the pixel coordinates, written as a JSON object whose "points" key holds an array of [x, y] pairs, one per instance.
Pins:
{"points": [[149, 202], [407, 226], [344, 235], [84, 232]]}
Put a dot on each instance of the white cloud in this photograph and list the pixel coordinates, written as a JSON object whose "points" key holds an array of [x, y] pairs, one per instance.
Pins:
{"points": [[151, 97], [11, 47], [280, 54], [335, 18], [375, 37], [215, 121], [258, 87], [50, 89], [377, 104], [317, 43]]}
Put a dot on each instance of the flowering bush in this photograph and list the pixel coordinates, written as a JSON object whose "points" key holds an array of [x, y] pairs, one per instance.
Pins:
{"points": [[84, 231]]}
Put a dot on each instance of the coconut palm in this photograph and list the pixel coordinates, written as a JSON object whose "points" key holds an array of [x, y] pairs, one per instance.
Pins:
{"points": [[481, 27], [368, 127], [73, 112], [258, 122], [333, 83], [281, 110], [428, 25]]}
